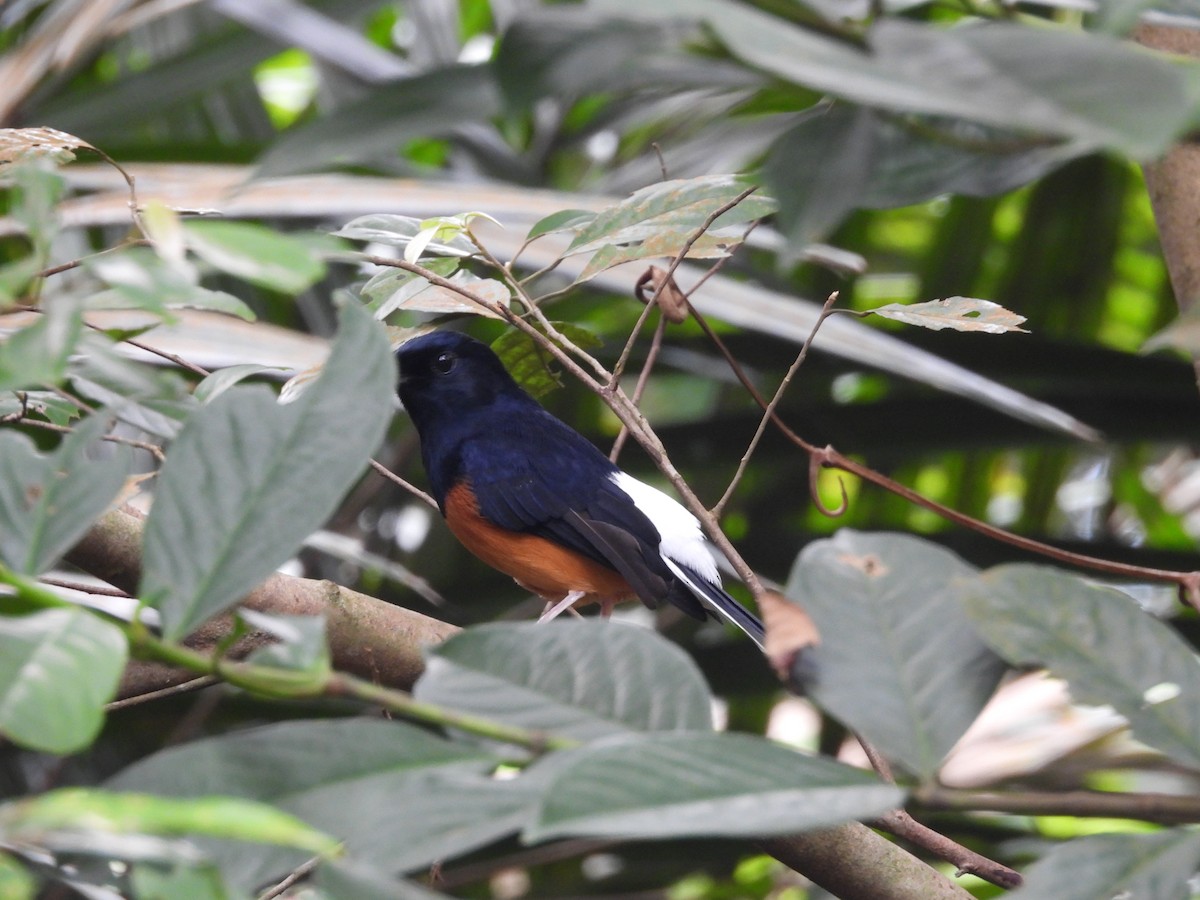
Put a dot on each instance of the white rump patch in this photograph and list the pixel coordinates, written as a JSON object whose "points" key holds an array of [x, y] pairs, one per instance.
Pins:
{"points": [[680, 537]]}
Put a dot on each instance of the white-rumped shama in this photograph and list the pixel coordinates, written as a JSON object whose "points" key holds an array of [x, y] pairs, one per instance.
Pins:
{"points": [[532, 497]]}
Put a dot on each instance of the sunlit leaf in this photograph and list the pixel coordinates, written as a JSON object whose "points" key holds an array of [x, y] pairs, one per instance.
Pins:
{"points": [[20, 144], [532, 367], [125, 813], [959, 313], [58, 668]]}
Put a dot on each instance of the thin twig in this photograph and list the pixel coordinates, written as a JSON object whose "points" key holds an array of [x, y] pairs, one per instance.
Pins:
{"points": [[170, 357], [411, 488], [829, 457], [899, 823], [76, 263], [1166, 809], [293, 877], [769, 412], [902, 825], [100, 590], [153, 449], [186, 687]]}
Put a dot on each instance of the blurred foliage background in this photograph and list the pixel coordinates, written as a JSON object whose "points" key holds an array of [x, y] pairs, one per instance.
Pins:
{"points": [[301, 116]]}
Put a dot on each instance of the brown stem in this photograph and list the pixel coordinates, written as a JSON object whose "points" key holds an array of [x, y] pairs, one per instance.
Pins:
{"points": [[643, 379], [1166, 809], [368, 637]]}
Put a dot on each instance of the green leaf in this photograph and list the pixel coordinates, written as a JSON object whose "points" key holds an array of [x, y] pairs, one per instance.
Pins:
{"points": [[1106, 866], [214, 385], [876, 599], [575, 679], [1026, 79], [248, 479], [15, 881], [397, 795], [689, 784], [148, 398], [196, 882], [563, 220], [1108, 650], [58, 668], [299, 644], [433, 103], [37, 189], [417, 295], [47, 502], [140, 279], [670, 213], [256, 254], [38, 353], [530, 365], [130, 813], [400, 231], [959, 313], [819, 170]]}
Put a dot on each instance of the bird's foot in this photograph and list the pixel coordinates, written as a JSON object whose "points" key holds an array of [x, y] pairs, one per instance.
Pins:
{"points": [[554, 610]]}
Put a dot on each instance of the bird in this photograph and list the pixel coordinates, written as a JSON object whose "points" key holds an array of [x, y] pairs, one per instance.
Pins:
{"points": [[535, 499]]}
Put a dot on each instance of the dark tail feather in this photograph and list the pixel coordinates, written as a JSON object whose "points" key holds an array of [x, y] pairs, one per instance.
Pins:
{"points": [[720, 603]]}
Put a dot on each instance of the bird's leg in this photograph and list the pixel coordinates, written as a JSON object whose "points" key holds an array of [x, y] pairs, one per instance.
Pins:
{"points": [[553, 610]]}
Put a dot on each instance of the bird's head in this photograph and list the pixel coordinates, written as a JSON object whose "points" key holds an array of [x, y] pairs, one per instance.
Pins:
{"points": [[447, 374]]}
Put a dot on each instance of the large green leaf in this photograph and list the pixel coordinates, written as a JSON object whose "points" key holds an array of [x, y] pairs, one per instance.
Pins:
{"points": [[47, 502], [1107, 866], [138, 278], [877, 599], [670, 213], [382, 121], [58, 668], [122, 813], [248, 479], [256, 254], [1108, 650], [688, 784], [580, 679], [820, 168], [1051, 81], [398, 796], [37, 354]]}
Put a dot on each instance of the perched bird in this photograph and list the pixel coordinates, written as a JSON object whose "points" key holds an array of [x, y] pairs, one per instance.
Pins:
{"points": [[532, 497]]}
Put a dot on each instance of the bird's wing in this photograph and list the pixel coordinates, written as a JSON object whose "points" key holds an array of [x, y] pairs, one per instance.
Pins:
{"points": [[557, 485]]}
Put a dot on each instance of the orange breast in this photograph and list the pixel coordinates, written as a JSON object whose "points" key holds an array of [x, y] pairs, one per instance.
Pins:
{"points": [[538, 565]]}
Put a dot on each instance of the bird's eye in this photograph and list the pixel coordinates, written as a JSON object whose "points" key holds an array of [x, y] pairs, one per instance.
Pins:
{"points": [[445, 363]]}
